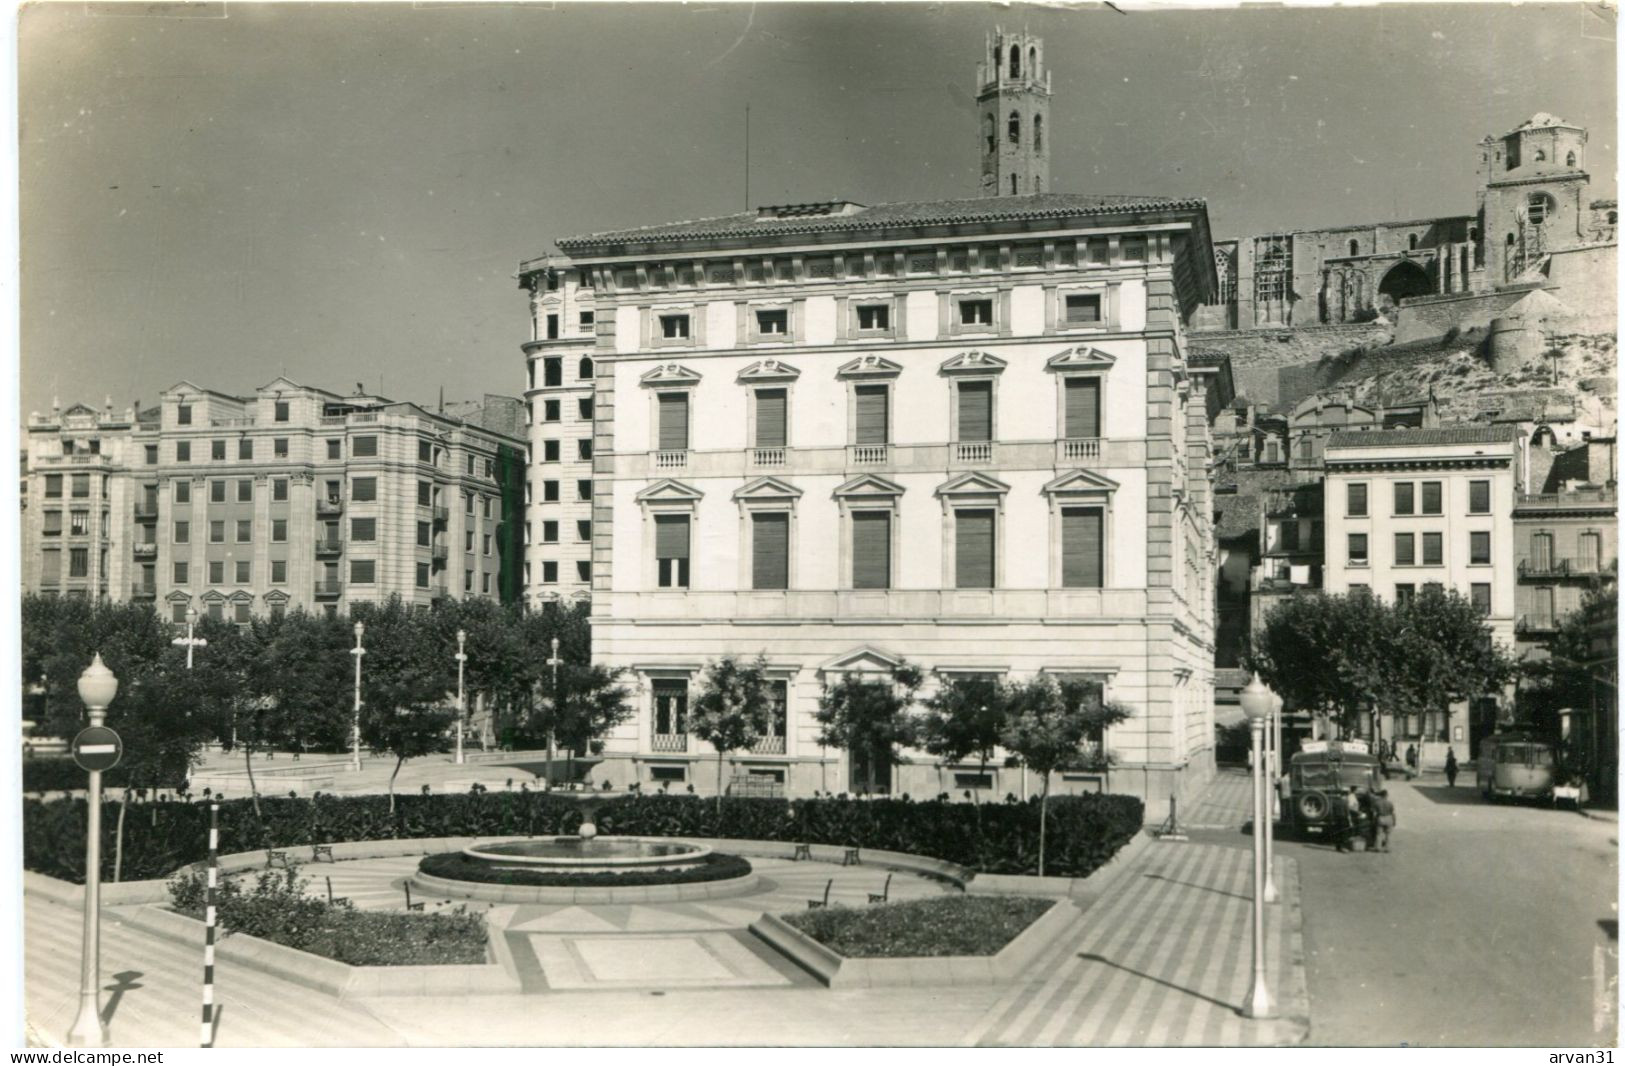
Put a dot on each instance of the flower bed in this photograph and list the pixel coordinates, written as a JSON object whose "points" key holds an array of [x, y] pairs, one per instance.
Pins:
{"points": [[456, 866], [276, 909], [948, 926]]}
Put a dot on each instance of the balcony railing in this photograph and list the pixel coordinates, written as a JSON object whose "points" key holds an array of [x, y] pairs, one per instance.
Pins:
{"points": [[974, 451], [439, 553], [768, 745], [219, 423], [329, 547], [1536, 623], [1543, 568], [330, 505], [145, 509], [767, 456], [141, 591], [1580, 498], [146, 551], [668, 742], [325, 589], [671, 459], [441, 513], [1073, 449], [869, 453]]}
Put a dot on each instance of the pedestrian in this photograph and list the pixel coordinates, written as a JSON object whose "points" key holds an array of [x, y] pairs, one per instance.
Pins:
{"points": [[1383, 822], [1450, 767], [1410, 759], [1349, 828]]}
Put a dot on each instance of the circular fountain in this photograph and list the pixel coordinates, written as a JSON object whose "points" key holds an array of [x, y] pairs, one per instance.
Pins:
{"points": [[585, 868]]}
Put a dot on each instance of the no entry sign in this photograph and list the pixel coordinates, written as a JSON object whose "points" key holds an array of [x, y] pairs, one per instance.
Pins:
{"points": [[97, 748]]}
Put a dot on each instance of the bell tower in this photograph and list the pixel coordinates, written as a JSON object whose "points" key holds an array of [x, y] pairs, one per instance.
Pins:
{"points": [[1012, 99]]}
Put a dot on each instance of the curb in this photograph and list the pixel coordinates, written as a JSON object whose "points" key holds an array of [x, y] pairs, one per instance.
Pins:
{"points": [[1294, 1019]]}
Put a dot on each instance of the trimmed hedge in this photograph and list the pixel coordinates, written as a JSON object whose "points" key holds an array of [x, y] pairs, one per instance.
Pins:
{"points": [[456, 865], [1084, 831], [922, 928], [59, 773]]}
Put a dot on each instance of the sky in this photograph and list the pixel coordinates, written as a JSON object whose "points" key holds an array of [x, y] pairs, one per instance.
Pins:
{"points": [[342, 192]]}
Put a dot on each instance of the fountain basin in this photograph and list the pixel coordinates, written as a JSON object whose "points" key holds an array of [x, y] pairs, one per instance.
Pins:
{"points": [[583, 855], [573, 870]]}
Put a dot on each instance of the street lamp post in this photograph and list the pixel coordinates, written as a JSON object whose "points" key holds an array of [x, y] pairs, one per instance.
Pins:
{"points": [[462, 700], [1256, 701], [97, 687], [355, 723], [1272, 787], [189, 641], [553, 661]]}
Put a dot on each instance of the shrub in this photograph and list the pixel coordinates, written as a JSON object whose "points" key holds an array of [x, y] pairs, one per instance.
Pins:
{"points": [[1084, 831], [460, 867], [277, 909], [948, 925], [57, 774]]}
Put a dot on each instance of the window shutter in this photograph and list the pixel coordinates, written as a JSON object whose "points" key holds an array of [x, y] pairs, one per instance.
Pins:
{"points": [[873, 401], [671, 536], [770, 428], [770, 551], [1082, 408], [973, 554], [1480, 492], [871, 549], [1081, 559], [975, 410], [673, 421]]}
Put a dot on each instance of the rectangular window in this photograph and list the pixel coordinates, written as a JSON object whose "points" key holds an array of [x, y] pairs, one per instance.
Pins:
{"points": [[1432, 497], [279, 447], [1404, 549], [871, 549], [674, 327], [244, 568], [1404, 497], [550, 451], [550, 411], [1404, 594], [217, 532], [874, 317], [775, 323], [976, 312], [468, 541], [364, 529], [281, 411], [583, 409], [550, 492], [1082, 548], [364, 447], [1083, 309], [1432, 549], [183, 492], [245, 448], [51, 566], [425, 494], [425, 452], [553, 371], [1357, 503], [53, 486], [362, 571], [552, 327], [422, 577], [78, 562], [550, 532], [335, 449], [1478, 546], [584, 490], [485, 584], [583, 529], [973, 549], [873, 413], [180, 572], [671, 706], [217, 492], [485, 544], [79, 523], [1478, 497], [217, 571], [673, 421], [585, 318], [279, 530], [240, 613], [1358, 550], [424, 536], [584, 571], [1082, 399], [245, 490], [1289, 535], [770, 418], [245, 530], [671, 550], [550, 573], [53, 524], [584, 448], [364, 489], [279, 571], [183, 414], [217, 450], [1481, 598], [81, 486], [152, 454], [770, 551], [975, 410]]}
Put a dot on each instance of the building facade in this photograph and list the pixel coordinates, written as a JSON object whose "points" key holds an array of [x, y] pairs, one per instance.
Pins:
{"points": [[959, 434], [292, 496], [1567, 533]]}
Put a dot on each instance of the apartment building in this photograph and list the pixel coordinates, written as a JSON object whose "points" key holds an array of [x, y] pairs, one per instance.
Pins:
{"points": [[1409, 508], [290, 496], [1566, 528]]}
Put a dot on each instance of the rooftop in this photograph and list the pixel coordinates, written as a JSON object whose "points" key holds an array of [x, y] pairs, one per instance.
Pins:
{"points": [[840, 216], [1421, 438]]}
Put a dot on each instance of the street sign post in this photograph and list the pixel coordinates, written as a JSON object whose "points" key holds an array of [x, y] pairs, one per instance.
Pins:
{"points": [[97, 748]]}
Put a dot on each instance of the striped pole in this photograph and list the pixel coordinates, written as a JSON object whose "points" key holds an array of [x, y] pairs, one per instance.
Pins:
{"points": [[207, 1035]]}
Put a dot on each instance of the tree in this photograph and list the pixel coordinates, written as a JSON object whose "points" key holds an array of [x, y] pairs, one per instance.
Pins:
{"points": [[1439, 652], [732, 708], [591, 701], [405, 680], [869, 718], [1324, 652], [964, 718], [1577, 669], [1047, 727]]}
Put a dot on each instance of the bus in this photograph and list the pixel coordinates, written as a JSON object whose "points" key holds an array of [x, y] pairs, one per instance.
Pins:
{"points": [[1319, 771], [1516, 764]]}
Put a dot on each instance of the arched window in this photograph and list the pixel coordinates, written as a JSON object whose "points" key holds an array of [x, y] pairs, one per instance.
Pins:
{"points": [[992, 135], [1038, 183], [584, 369], [1413, 242], [1015, 61], [1012, 185], [1570, 160], [1038, 133], [1354, 247], [1541, 207], [1540, 155], [1032, 61], [1015, 127], [1511, 240]]}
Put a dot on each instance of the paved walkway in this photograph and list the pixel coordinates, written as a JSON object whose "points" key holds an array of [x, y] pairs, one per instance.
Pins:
{"points": [[1226, 803]]}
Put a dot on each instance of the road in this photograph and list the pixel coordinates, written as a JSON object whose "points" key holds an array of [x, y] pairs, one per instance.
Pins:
{"points": [[1485, 925]]}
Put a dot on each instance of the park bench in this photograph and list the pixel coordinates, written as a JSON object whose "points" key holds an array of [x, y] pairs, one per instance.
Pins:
{"points": [[850, 858], [321, 853], [332, 899], [803, 851], [884, 894], [814, 904], [409, 904], [274, 857]]}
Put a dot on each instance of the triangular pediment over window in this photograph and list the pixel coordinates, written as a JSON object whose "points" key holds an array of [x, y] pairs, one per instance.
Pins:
{"points": [[276, 596], [281, 385], [213, 596], [767, 488], [972, 484], [870, 366], [870, 486], [241, 596], [1080, 481], [768, 370], [670, 375], [177, 596], [79, 409], [862, 660], [669, 490], [973, 363], [1081, 359]]}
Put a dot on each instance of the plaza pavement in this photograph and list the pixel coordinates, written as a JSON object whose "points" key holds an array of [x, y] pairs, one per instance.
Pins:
{"points": [[1160, 958]]}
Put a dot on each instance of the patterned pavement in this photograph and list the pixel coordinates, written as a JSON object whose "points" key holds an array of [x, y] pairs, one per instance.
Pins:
{"points": [[1226, 803]]}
